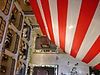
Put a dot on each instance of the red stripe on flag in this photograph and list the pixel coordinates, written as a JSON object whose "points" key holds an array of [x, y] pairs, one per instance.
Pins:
{"points": [[87, 11], [97, 66], [62, 18], [94, 50], [46, 10], [37, 13]]}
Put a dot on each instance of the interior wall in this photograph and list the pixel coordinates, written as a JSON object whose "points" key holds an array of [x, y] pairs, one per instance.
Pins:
{"points": [[64, 61]]}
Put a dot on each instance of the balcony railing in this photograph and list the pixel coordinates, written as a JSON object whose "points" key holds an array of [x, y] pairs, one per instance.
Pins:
{"points": [[26, 32], [16, 18], [7, 65], [12, 40], [5, 6], [2, 28]]}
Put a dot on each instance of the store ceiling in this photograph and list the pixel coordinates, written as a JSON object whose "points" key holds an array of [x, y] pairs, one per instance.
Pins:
{"points": [[72, 25]]}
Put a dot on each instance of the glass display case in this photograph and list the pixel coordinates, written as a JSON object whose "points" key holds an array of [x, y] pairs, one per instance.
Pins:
{"points": [[43, 44]]}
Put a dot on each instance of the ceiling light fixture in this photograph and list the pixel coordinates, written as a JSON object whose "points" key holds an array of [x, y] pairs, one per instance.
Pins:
{"points": [[70, 27]]}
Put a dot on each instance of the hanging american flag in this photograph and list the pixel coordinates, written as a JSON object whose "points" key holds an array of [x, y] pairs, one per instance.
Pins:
{"points": [[73, 25]]}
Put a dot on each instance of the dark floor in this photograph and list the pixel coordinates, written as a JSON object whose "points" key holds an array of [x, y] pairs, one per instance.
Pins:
{"points": [[43, 71]]}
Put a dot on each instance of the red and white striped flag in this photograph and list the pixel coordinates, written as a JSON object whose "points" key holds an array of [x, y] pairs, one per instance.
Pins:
{"points": [[73, 25]]}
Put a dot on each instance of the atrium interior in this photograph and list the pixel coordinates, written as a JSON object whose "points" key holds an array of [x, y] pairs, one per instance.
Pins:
{"points": [[32, 44]]}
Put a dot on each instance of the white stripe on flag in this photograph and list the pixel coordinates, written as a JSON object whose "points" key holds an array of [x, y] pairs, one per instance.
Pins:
{"points": [[54, 19], [91, 35], [42, 14], [95, 61], [73, 14]]}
